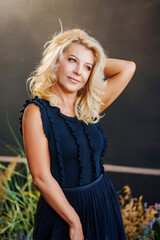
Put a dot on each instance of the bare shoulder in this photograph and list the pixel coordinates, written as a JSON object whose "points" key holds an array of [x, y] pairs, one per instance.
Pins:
{"points": [[31, 109], [31, 118], [31, 112]]}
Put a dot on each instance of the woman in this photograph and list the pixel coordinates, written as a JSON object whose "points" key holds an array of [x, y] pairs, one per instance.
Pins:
{"points": [[64, 142]]}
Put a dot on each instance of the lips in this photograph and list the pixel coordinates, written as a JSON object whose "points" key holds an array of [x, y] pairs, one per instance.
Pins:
{"points": [[73, 80]]}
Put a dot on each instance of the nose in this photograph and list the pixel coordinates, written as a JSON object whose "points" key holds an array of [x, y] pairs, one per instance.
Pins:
{"points": [[77, 70]]}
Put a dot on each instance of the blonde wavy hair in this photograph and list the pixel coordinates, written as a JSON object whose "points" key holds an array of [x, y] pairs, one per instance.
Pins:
{"points": [[88, 101]]}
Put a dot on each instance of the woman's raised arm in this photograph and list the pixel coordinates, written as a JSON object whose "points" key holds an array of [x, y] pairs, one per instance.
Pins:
{"points": [[120, 73], [37, 153]]}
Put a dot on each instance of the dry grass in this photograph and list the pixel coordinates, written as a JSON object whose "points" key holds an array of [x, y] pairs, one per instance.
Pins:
{"points": [[138, 220]]}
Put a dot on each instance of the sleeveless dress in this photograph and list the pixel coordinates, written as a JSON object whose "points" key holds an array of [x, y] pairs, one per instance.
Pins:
{"points": [[76, 154]]}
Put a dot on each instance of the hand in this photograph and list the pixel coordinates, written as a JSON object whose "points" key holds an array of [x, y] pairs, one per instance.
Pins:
{"points": [[75, 231]]}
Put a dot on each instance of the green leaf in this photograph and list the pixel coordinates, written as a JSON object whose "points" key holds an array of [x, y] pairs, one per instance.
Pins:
{"points": [[15, 137]]}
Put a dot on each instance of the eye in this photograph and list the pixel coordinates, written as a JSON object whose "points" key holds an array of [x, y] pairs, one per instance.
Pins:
{"points": [[88, 68], [72, 59]]}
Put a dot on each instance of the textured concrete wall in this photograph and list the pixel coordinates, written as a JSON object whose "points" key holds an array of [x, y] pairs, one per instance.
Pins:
{"points": [[127, 29]]}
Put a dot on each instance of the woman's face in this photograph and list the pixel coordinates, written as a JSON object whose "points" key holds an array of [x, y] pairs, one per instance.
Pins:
{"points": [[75, 67]]}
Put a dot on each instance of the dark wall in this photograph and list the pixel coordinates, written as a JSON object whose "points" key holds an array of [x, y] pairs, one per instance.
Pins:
{"points": [[127, 29]]}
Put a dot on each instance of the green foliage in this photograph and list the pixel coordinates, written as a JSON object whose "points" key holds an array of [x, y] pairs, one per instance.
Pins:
{"points": [[18, 198], [17, 150]]}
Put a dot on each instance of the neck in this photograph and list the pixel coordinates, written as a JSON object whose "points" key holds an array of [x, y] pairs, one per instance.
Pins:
{"points": [[67, 99]]}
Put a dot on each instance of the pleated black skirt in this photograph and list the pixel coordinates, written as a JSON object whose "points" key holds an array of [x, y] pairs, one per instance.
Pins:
{"points": [[96, 204]]}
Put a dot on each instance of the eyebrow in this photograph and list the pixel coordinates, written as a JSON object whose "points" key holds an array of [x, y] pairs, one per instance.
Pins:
{"points": [[78, 59]]}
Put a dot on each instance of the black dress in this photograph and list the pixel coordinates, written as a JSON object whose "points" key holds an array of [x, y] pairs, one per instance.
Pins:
{"points": [[76, 154]]}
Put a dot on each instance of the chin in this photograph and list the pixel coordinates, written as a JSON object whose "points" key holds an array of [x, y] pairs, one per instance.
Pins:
{"points": [[72, 88]]}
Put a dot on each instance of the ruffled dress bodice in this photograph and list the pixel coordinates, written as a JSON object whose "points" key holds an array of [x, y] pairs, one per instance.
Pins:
{"points": [[76, 149]]}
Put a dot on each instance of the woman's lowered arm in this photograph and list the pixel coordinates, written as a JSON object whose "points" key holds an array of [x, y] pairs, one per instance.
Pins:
{"points": [[37, 153]]}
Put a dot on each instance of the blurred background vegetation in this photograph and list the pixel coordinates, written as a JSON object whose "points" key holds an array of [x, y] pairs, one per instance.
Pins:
{"points": [[18, 199]]}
